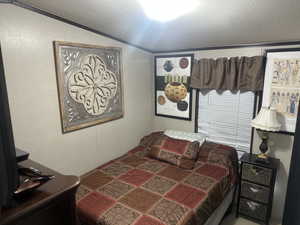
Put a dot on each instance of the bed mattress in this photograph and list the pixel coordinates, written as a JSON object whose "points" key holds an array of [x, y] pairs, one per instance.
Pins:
{"points": [[137, 190]]}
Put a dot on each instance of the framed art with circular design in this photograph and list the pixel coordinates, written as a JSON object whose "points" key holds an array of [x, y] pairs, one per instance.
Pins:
{"points": [[173, 95], [89, 82]]}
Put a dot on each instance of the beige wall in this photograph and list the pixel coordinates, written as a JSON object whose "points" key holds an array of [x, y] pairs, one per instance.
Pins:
{"points": [[26, 39], [281, 145]]}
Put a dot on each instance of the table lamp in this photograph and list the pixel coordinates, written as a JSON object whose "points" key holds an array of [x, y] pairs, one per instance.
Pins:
{"points": [[266, 121]]}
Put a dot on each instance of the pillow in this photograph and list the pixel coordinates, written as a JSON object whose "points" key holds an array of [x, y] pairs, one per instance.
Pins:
{"points": [[181, 153], [147, 141], [186, 136]]}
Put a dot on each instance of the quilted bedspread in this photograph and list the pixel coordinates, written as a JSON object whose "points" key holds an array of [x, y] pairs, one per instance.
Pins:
{"points": [[137, 190]]}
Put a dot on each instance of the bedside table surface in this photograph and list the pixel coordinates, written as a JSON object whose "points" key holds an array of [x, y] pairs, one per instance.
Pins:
{"points": [[248, 158]]}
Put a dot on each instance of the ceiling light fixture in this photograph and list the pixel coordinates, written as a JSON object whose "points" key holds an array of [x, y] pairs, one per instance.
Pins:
{"points": [[166, 10]]}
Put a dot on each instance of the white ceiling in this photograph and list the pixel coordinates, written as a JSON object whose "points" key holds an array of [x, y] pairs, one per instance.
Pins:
{"points": [[213, 23]]}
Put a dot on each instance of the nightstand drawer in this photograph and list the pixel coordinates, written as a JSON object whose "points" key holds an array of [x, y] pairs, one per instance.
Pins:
{"points": [[257, 174], [253, 209], [255, 192]]}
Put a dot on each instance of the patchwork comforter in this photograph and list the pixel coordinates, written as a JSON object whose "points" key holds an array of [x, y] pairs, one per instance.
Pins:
{"points": [[137, 190]]}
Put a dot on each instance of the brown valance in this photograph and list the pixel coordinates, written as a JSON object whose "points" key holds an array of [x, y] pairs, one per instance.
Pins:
{"points": [[235, 74]]}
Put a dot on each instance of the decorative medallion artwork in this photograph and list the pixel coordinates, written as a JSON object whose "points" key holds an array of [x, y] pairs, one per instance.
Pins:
{"points": [[282, 86], [172, 93], [183, 63], [168, 65], [89, 84]]}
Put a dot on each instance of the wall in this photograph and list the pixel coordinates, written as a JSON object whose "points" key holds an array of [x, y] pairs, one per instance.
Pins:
{"points": [[280, 145], [26, 39]]}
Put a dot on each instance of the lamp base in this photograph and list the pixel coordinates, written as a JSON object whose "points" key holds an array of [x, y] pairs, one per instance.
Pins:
{"points": [[262, 158]]}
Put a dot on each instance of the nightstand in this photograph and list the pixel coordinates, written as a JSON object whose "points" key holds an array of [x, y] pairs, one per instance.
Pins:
{"points": [[257, 182]]}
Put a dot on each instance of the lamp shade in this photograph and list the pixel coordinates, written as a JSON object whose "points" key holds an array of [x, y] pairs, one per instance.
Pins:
{"points": [[266, 120]]}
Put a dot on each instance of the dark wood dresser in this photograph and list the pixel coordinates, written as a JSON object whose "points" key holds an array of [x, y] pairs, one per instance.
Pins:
{"points": [[256, 188], [51, 204]]}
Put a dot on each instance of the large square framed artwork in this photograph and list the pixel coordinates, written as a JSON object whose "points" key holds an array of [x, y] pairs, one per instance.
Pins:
{"points": [[173, 96], [89, 80], [282, 86]]}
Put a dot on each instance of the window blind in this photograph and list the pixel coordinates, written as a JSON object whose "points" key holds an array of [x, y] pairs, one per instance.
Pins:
{"points": [[225, 117]]}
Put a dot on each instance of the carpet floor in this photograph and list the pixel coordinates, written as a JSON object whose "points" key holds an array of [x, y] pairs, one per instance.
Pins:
{"points": [[232, 220]]}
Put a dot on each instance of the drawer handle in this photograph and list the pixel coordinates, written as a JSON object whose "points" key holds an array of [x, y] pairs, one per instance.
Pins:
{"points": [[252, 205], [255, 170], [254, 190]]}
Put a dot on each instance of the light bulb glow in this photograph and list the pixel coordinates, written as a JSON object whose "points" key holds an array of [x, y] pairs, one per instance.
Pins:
{"points": [[166, 10]]}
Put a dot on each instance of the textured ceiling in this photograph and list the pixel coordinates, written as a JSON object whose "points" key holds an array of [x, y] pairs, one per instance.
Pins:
{"points": [[213, 23]]}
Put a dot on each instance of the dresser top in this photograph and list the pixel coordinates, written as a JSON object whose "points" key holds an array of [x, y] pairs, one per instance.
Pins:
{"points": [[251, 158], [41, 196]]}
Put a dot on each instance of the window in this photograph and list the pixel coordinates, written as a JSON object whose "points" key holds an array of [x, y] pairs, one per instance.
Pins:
{"points": [[225, 117]]}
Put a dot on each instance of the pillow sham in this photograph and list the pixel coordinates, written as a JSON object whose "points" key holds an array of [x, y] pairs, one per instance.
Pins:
{"points": [[186, 136], [181, 153], [148, 140]]}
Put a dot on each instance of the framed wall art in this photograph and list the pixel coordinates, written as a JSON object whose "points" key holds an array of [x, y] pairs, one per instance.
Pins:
{"points": [[89, 82], [282, 86], [173, 96]]}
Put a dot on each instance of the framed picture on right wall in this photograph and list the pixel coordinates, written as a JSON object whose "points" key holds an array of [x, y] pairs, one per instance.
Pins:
{"points": [[282, 86]]}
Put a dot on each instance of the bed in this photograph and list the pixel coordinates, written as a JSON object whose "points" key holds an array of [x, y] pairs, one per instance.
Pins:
{"points": [[136, 189]]}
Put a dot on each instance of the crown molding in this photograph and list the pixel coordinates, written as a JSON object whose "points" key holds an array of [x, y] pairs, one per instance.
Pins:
{"points": [[257, 44]]}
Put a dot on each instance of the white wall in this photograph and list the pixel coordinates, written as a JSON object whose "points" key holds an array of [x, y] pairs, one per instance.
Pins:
{"points": [[26, 40], [281, 145]]}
